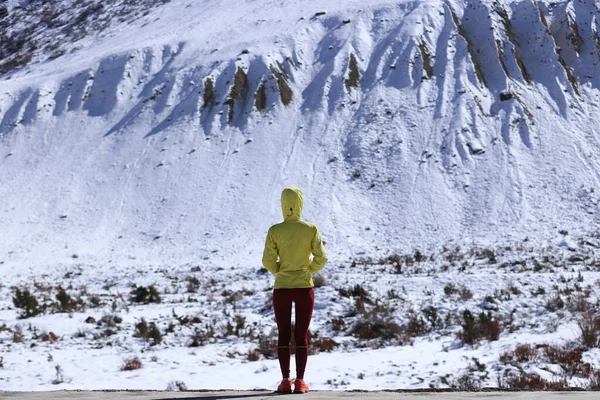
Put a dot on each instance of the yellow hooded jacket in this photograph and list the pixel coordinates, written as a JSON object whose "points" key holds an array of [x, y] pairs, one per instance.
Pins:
{"points": [[293, 241]]}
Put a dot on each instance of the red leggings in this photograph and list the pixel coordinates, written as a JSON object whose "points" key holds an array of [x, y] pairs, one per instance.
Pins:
{"points": [[282, 303]]}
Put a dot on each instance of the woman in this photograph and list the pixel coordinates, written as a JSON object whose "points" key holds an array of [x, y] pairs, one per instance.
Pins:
{"points": [[293, 241]]}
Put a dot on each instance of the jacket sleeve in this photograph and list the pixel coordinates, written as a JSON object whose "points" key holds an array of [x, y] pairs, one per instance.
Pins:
{"points": [[270, 254], [318, 251]]}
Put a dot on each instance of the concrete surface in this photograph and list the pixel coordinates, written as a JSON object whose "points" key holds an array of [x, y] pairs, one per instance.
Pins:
{"points": [[259, 395]]}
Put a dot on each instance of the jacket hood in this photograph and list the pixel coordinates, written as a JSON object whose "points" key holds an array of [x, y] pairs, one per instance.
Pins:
{"points": [[292, 202]]}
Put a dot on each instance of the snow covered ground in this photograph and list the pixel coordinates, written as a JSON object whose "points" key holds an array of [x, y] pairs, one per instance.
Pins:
{"points": [[380, 334], [444, 147]]}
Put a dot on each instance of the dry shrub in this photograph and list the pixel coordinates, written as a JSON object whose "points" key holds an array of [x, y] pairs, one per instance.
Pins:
{"points": [[453, 255], [525, 352], [193, 284], [28, 302], [337, 324], [95, 301], [397, 259], [589, 324], [416, 325], [567, 291], [483, 327], [376, 322], [18, 336], [145, 295], [253, 355], [145, 331], [579, 304], [131, 364], [521, 353], [267, 346], [570, 360], [49, 337], [562, 355], [466, 382], [465, 293], [319, 345], [200, 337], [428, 321], [515, 291], [490, 329], [65, 302], [450, 289], [356, 291], [319, 281], [556, 303], [154, 334], [141, 329], [595, 380], [377, 329], [534, 382]]}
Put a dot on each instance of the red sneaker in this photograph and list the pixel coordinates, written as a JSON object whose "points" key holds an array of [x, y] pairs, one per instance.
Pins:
{"points": [[285, 386], [300, 386]]}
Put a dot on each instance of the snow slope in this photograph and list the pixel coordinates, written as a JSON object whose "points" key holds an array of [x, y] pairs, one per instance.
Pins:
{"points": [[117, 150]]}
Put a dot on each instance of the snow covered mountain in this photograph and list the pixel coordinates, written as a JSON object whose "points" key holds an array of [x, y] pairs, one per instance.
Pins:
{"points": [[448, 152], [167, 138]]}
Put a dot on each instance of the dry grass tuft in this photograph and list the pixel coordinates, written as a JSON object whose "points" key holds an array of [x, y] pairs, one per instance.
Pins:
{"points": [[131, 364]]}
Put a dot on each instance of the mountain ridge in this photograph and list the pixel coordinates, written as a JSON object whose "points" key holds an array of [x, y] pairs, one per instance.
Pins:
{"points": [[407, 124]]}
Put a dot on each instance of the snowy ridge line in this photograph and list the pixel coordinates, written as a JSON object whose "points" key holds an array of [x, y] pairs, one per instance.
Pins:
{"points": [[496, 42]]}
